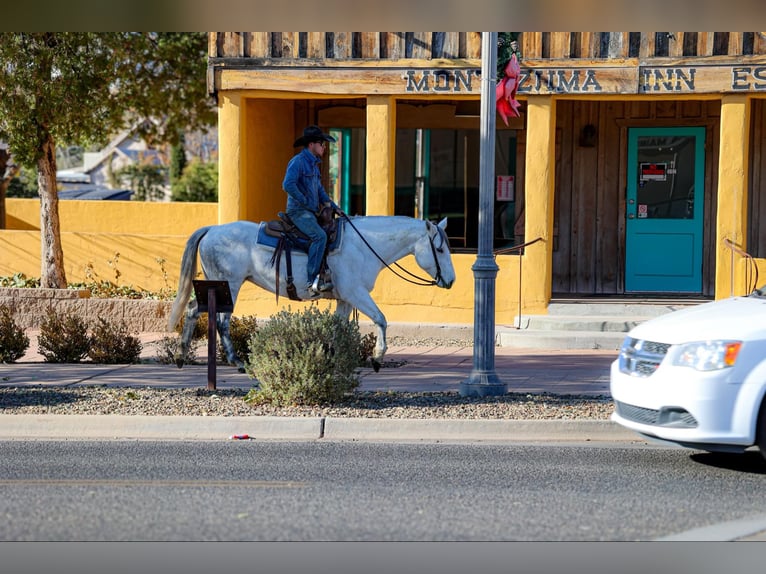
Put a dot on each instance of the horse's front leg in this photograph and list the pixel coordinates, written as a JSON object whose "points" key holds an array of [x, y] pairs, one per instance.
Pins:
{"points": [[223, 322], [366, 305], [190, 322]]}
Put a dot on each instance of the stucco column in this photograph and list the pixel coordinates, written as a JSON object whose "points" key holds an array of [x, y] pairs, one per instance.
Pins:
{"points": [[381, 158], [539, 196], [731, 217], [230, 130]]}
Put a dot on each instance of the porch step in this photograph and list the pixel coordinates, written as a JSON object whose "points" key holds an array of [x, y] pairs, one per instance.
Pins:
{"points": [[583, 324], [558, 340]]}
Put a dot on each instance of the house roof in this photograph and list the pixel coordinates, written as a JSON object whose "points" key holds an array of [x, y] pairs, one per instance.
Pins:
{"points": [[93, 192]]}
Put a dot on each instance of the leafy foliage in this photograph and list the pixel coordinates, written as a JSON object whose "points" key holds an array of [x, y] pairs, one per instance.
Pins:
{"points": [[304, 358], [146, 180], [240, 331], [507, 44], [111, 343], [18, 281], [13, 341], [198, 182], [63, 339], [24, 184], [81, 87], [177, 159], [169, 347]]}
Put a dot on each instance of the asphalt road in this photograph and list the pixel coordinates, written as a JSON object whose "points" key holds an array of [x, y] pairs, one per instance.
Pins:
{"points": [[348, 491]]}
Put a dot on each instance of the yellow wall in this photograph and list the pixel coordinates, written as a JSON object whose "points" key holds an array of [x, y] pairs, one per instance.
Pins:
{"points": [[731, 220], [270, 129], [93, 232], [539, 196], [143, 233]]}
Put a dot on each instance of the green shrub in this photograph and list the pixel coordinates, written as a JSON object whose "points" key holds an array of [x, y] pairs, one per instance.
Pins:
{"points": [[168, 347], [111, 343], [368, 348], [200, 327], [13, 341], [306, 358], [198, 182], [63, 339], [240, 331]]}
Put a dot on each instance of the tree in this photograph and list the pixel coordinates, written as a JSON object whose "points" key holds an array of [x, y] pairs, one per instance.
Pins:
{"points": [[8, 171], [199, 182], [78, 87], [177, 159]]}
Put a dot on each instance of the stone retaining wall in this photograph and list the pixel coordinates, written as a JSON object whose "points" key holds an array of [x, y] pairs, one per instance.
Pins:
{"points": [[30, 306]]}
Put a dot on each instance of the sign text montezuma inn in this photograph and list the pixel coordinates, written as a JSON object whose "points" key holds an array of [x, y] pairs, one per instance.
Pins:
{"points": [[599, 80]]}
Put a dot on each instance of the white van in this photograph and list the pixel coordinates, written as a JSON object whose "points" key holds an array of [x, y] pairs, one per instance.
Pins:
{"points": [[697, 377]]}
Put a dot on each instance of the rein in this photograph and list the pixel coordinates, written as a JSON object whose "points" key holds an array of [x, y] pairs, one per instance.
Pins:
{"points": [[418, 280]]}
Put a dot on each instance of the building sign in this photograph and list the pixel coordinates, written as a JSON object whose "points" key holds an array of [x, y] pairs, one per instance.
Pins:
{"points": [[531, 81], [505, 190], [701, 79], [442, 80], [534, 79], [653, 171]]}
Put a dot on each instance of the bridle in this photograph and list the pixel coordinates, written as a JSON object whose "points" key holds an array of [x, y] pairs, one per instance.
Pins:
{"points": [[434, 250]]}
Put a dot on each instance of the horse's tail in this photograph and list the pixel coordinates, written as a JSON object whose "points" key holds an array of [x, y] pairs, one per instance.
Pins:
{"points": [[188, 272]]}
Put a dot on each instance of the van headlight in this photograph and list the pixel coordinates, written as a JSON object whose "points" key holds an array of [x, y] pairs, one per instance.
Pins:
{"points": [[708, 355]]}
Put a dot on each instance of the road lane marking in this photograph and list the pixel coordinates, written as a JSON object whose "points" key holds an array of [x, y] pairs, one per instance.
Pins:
{"points": [[721, 532]]}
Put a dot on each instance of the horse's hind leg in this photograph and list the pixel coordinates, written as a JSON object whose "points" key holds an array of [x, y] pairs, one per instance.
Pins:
{"points": [[190, 322], [223, 323]]}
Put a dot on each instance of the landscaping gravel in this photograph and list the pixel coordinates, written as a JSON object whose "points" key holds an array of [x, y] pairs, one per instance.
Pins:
{"points": [[102, 400]]}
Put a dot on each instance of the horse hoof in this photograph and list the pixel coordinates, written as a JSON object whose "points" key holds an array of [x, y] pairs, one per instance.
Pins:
{"points": [[375, 365], [179, 363]]}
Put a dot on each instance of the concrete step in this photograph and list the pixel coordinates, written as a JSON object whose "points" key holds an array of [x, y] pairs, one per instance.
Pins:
{"points": [[557, 340], [617, 309], [605, 323], [584, 324]]}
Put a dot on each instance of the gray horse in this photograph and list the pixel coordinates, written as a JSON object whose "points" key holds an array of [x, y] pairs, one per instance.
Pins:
{"points": [[232, 252]]}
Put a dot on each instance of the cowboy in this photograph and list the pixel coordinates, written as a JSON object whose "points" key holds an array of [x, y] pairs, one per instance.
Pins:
{"points": [[305, 199]]}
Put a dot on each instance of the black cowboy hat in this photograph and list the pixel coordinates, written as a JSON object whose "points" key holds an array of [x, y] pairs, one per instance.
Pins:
{"points": [[312, 134]]}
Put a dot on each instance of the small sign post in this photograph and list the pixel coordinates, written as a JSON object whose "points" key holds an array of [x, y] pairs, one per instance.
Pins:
{"points": [[212, 297]]}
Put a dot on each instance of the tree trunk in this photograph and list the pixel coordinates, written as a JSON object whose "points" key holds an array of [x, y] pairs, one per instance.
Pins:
{"points": [[51, 254], [5, 180], [3, 187]]}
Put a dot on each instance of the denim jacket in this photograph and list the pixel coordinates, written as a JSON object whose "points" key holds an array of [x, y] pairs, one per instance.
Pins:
{"points": [[303, 183]]}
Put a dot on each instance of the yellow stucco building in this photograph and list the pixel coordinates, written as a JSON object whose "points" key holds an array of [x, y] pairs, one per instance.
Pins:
{"points": [[632, 171]]}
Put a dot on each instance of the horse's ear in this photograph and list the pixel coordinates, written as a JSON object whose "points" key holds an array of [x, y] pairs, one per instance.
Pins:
{"points": [[443, 223]]}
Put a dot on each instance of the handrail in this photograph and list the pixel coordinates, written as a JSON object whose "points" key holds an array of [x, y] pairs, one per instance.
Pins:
{"points": [[509, 250], [751, 269]]}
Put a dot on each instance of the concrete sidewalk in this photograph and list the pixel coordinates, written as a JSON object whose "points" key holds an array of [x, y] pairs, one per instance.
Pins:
{"points": [[410, 369]]}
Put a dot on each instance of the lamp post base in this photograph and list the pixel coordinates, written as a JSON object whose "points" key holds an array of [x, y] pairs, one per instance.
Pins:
{"points": [[482, 384]]}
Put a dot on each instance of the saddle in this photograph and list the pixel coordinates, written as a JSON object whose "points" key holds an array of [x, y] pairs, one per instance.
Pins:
{"points": [[290, 237]]}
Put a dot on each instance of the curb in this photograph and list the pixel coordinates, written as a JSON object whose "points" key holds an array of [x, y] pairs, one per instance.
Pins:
{"points": [[122, 427]]}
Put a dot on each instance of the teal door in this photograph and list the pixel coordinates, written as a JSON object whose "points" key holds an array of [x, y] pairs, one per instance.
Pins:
{"points": [[663, 243]]}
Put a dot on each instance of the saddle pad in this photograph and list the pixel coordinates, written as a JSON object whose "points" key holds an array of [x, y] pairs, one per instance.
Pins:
{"points": [[272, 241]]}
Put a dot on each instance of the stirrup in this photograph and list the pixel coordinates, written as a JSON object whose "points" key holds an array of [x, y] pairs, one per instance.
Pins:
{"points": [[320, 284], [312, 290]]}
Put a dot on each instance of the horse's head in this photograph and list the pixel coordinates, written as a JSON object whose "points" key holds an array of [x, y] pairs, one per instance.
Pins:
{"points": [[433, 254]]}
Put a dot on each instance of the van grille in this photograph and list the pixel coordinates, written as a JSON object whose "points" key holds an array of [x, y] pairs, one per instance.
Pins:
{"points": [[641, 358], [666, 417]]}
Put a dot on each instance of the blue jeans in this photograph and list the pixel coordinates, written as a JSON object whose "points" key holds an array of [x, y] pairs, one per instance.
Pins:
{"points": [[306, 221]]}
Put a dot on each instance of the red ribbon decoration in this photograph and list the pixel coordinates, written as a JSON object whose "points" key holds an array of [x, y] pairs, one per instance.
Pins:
{"points": [[505, 91]]}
